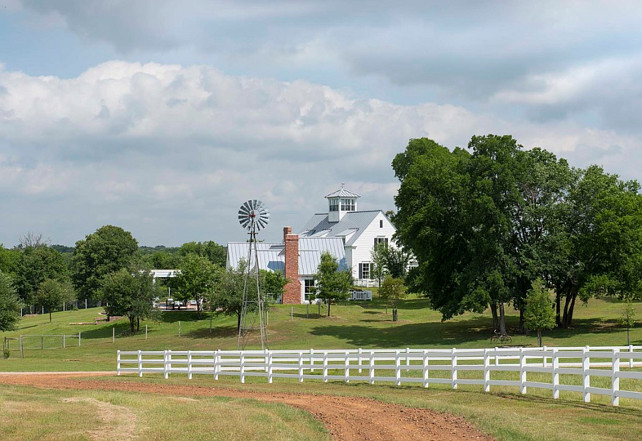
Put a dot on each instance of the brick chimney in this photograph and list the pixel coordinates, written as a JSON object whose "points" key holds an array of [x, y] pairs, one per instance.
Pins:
{"points": [[292, 290]]}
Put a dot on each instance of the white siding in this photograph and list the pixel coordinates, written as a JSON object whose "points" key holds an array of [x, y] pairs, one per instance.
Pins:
{"points": [[362, 247]]}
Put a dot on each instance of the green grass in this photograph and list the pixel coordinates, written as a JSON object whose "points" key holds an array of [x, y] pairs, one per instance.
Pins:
{"points": [[30, 414], [352, 325], [504, 413]]}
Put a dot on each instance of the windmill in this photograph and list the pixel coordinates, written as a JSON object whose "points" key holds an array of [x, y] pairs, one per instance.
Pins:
{"points": [[253, 216]]}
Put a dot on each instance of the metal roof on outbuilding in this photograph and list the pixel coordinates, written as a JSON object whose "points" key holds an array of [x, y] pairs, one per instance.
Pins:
{"points": [[272, 257]]}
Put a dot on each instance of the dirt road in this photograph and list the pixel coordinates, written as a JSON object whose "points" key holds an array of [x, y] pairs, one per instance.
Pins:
{"points": [[346, 418]]}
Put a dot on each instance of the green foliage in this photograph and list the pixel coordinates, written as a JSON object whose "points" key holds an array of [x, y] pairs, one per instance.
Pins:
{"points": [[216, 253], [392, 290], [538, 311], [52, 293], [35, 265], [627, 319], [484, 224], [273, 283], [378, 258], [129, 293], [105, 251], [9, 303], [332, 284], [227, 294], [9, 260], [196, 279]]}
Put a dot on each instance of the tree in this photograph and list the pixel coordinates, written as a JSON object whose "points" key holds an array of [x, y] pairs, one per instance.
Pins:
{"points": [[539, 313], [216, 253], [396, 261], [9, 304], [378, 257], [107, 250], [332, 284], [35, 265], [51, 294], [130, 293], [393, 289], [627, 319], [273, 283], [9, 260], [227, 294], [196, 279]]}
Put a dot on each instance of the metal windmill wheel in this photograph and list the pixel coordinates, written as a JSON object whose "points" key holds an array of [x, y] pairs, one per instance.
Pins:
{"points": [[253, 215]]}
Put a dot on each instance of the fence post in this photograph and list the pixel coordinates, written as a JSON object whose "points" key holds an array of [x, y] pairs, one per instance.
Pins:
{"points": [[217, 363], [522, 371], [556, 376], [586, 378], [496, 356], [453, 366], [425, 367], [117, 362], [359, 359], [179, 328], [140, 363], [165, 364], [79, 338], [372, 367], [42, 342], [407, 359], [346, 372], [325, 366], [631, 359], [615, 377], [169, 361], [269, 364], [22, 350], [486, 371], [64, 343], [113, 334], [544, 358], [397, 369], [145, 332], [311, 360], [242, 361], [189, 365], [300, 366]]}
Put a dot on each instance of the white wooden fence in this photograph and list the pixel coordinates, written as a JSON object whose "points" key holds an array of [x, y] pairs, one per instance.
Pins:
{"points": [[575, 364]]}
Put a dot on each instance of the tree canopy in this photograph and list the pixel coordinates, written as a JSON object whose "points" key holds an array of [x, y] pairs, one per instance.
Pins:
{"points": [[105, 251], [196, 279], [129, 292], [538, 311], [332, 284], [35, 265], [9, 304], [483, 223]]}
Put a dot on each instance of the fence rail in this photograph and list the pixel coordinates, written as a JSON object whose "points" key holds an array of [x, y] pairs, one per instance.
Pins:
{"points": [[412, 366]]}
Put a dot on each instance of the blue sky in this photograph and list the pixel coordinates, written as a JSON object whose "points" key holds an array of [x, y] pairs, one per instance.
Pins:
{"points": [[162, 117]]}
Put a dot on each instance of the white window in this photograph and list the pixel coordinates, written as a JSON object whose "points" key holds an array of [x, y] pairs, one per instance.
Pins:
{"points": [[310, 290], [364, 270], [334, 204], [347, 204], [378, 240]]}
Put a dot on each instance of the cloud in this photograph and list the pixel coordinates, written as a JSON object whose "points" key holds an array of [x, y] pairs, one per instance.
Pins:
{"points": [[170, 152]]}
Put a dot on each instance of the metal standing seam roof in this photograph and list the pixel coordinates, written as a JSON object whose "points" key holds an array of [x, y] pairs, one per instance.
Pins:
{"points": [[271, 255], [356, 221], [342, 193]]}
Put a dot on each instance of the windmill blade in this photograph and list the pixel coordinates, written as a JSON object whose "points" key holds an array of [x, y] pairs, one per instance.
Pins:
{"points": [[253, 215]]}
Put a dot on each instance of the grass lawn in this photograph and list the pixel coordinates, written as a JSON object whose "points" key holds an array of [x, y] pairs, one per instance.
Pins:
{"points": [[503, 413]]}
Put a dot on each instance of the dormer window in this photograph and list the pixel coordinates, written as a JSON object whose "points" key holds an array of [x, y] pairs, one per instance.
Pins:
{"points": [[341, 202], [334, 204]]}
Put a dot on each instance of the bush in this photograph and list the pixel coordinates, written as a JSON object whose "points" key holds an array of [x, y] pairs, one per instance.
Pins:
{"points": [[6, 353]]}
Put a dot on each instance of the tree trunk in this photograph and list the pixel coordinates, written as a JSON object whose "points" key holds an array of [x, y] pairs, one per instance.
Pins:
{"points": [[558, 301], [493, 310], [238, 322], [131, 324], [502, 319], [522, 321], [329, 302], [539, 338], [49, 315], [571, 309], [138, 323]]}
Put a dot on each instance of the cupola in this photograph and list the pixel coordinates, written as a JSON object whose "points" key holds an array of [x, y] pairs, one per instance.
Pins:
{"points": [[341, 202]]}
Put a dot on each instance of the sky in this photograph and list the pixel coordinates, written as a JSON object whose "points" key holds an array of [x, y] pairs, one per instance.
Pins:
{"points": [[163, 117]]}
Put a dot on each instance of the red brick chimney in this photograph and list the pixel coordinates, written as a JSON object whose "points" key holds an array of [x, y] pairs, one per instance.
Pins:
{"points": [[292, 290]]}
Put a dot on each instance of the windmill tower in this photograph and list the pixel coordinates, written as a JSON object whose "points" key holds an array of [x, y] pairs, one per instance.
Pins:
{"points": [[253, 216]]}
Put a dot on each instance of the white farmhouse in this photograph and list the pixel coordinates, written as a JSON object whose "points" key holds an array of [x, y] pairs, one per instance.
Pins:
{"points": [[347, 234], [360, 231]]}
